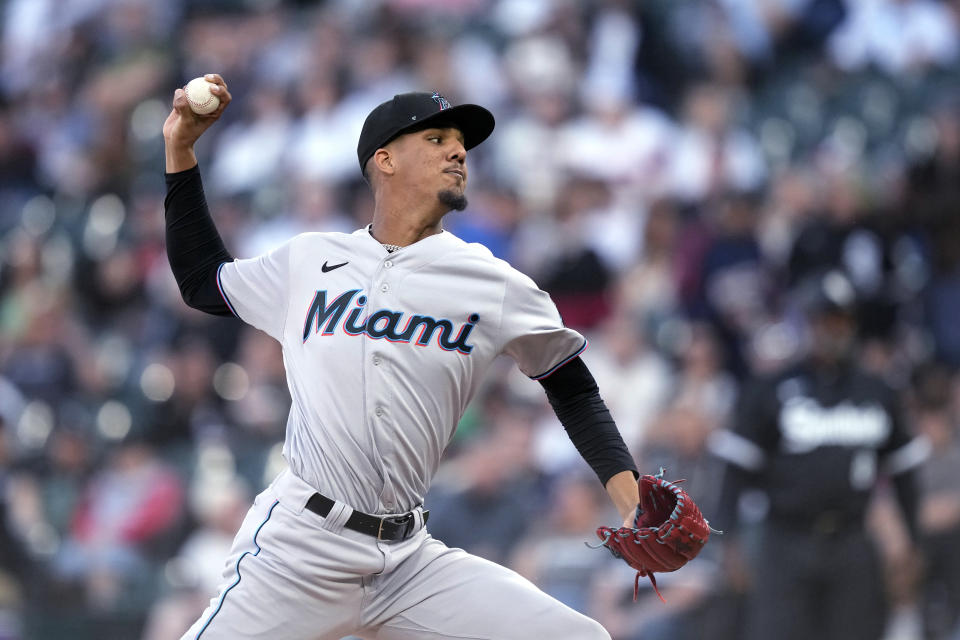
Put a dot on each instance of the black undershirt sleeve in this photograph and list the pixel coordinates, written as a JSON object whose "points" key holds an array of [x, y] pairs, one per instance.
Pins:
{"points": [[194, 247], [576, 400]]}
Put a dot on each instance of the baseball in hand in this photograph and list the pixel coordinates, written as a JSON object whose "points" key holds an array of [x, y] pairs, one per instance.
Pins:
{"points": [[199, 97]]}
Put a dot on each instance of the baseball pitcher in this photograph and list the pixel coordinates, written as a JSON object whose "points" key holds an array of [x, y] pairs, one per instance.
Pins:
{"points": [[386, 333]]}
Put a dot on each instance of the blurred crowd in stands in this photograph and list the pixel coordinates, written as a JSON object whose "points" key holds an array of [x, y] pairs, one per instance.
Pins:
{"points": [[669, 170]]}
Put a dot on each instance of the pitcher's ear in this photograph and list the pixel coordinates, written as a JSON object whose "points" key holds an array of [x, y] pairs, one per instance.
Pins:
{"points": [[384, 160]]}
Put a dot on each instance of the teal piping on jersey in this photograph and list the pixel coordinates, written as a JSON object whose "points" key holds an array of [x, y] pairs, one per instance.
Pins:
{"points": [[242, 556], [223, 293], [562, 362]]}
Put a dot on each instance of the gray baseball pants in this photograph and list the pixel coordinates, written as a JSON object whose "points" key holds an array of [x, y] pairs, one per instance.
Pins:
{"points": [[294, 575]]}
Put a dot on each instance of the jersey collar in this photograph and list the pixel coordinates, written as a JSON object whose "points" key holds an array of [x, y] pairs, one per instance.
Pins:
{"points": [[426, 249]]}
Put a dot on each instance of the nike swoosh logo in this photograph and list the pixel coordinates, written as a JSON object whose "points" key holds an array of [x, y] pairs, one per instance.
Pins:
{"points": [[325, 268]]}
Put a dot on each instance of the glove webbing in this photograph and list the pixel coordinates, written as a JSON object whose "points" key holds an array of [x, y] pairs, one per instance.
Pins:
{"points": [[644, 572], [653, 581]]}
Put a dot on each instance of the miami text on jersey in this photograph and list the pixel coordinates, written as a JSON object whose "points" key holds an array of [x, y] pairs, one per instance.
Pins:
{"points": [[384, 323]]}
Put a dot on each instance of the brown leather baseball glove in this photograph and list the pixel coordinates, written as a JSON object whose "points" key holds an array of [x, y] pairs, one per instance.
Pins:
{"points": [[668, 531]]}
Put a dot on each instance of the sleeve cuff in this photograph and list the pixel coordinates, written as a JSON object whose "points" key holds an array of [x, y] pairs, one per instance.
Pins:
{"points": [[186, 173], [554, 368], [223, 294]]}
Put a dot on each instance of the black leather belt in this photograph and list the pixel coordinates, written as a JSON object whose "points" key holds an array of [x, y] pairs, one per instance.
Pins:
{"points": [[390, 528]]}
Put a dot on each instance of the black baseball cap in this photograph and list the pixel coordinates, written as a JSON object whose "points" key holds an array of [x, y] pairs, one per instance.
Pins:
{"points": [[827, 293], [419, 110]]}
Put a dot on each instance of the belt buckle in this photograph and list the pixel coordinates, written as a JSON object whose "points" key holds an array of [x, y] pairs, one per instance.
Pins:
{"points": [[380, 529], [406, 521]]}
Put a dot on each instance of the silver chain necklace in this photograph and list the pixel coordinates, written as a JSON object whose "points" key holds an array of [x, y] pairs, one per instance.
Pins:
{"points": [[389, 247]]}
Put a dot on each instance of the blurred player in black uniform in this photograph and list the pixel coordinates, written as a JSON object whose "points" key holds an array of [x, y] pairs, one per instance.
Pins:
{"points": [[816, 438]]}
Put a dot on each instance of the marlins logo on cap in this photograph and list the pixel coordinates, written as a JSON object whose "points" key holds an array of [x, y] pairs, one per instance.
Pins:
{"points": [[444, 104]]}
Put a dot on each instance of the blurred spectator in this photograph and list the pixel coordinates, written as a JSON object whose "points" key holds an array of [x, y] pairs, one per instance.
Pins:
{"points": [[648, 290], [553, 555], [255, 387], [41, 360], [732, 293], [884, 264], [197, 569], [321, 141], [934, 191], [899, 36], [15, 564], [790, 202], [635, 379], [491, 220], [702, 383], [617, 141], [248, 152], [189, 409], [527, 150], [710, 153], [313, 205], [46, 499], [486, 499], [128, 505], [573, 271], [936, 419]]}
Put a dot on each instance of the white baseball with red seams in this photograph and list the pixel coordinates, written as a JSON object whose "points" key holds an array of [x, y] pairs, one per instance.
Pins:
{"points": [[201, 100]]}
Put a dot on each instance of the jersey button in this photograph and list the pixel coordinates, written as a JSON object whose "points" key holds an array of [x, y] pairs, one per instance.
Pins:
{"points": [[388, 264], [376, 361], [379, 412], [384, 287]]}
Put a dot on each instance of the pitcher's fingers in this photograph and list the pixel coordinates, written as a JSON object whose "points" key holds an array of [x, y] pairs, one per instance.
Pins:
{"points": [[215, 78], [221, 92], [180, 100], [215, 113]]}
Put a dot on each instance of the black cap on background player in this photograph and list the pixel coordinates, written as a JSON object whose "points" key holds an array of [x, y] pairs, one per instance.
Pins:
{"points": [[408, 112], [827, 293], [829, 301]]}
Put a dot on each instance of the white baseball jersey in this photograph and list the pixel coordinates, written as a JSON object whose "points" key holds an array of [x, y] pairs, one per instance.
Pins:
{"points": [[384, 351]]}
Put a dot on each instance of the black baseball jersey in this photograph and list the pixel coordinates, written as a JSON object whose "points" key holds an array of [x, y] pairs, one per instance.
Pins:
{"points": [[816, 439]]}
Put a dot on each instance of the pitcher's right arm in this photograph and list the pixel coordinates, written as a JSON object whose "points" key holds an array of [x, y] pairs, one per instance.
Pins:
{"points": [[194, 247]]}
